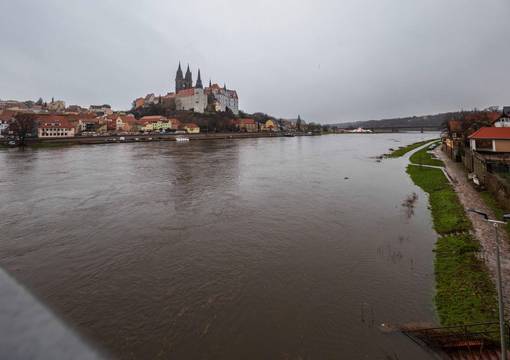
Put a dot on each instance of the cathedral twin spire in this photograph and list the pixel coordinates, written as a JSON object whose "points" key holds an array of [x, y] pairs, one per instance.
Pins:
{"points": [[186, 81]]}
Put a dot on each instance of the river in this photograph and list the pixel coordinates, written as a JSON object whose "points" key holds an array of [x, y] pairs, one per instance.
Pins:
{"points": [[270, 248]]}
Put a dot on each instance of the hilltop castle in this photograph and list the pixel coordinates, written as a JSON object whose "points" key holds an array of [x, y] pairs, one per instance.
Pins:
{"points": [[194, 98], [198, 99]]}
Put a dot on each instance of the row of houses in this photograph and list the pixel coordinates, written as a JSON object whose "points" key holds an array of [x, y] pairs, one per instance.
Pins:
{"points": [[70, 125], [89, 124], [481, 141]]}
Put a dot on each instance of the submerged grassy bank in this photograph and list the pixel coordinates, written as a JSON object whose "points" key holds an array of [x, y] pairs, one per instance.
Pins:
{"points": [[447, 212], [464, 290], [405, 149], [423, 157]]}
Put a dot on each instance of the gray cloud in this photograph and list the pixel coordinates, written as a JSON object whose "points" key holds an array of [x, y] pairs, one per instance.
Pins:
{"points": [[329, 61]]}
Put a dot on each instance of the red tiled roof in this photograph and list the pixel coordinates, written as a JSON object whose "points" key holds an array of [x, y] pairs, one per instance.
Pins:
{"points": [[213, 86], [55, 123], [186, 92], [7, 114], [491, 133], [190, 125], [71, 118], [247, 121], [128, 119], [153, 118]]}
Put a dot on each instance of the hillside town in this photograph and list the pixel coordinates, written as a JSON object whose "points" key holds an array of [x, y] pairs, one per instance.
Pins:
{"points": [[190, 109]]}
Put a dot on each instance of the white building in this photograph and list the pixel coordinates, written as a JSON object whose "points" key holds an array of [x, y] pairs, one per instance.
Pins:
{"points": [[223, 98], [104, 109], [504, 120], [56, 105], [55, 129], [193, 99]]}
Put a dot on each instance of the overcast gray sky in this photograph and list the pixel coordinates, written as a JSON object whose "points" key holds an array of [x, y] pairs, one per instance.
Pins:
{"points": [[328, 60]]}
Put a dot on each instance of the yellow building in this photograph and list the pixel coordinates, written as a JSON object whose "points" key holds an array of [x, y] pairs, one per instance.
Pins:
{"points": [[269, 125], [191, 128], [154, 123]]}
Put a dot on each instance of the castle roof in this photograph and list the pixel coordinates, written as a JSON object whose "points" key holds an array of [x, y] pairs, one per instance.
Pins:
{"points": [[186, 92]]}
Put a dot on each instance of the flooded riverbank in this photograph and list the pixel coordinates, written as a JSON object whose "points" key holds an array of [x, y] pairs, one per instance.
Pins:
{"points": [[255, 248]]}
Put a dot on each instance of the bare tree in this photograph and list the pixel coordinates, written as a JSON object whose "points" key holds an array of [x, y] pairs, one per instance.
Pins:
{"points": [[22, 126]]}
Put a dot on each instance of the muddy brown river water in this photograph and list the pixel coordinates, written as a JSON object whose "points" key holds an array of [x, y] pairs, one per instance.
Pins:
{"points": [[274, 248]]}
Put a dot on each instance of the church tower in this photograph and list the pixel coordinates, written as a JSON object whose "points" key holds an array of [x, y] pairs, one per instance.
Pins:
{"points": [[199, 81], [179, 79], [188, 79]]}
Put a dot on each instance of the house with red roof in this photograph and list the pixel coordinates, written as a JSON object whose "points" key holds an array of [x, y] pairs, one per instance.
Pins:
{"points": [[491, 139], [191, 128], [124, 123], [55, 127], [154, 123], [246, 125], [489, 158]]}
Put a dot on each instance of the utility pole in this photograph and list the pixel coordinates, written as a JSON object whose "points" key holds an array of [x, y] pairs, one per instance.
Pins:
{"points": [[499, 285]]}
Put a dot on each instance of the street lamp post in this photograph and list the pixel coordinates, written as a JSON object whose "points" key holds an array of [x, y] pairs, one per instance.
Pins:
{"points": [[499, 286]]}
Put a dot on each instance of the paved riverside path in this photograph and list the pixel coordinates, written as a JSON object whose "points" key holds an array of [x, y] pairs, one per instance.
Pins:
{"points": [[483, 231]]}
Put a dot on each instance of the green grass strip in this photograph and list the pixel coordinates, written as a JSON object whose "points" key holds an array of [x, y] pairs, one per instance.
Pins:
{"points": [[464, 290], [405, 149], [447, 212], [423, 157]]}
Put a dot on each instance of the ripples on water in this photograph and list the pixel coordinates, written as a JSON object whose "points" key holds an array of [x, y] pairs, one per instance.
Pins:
{"points": [[246, 249]]}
